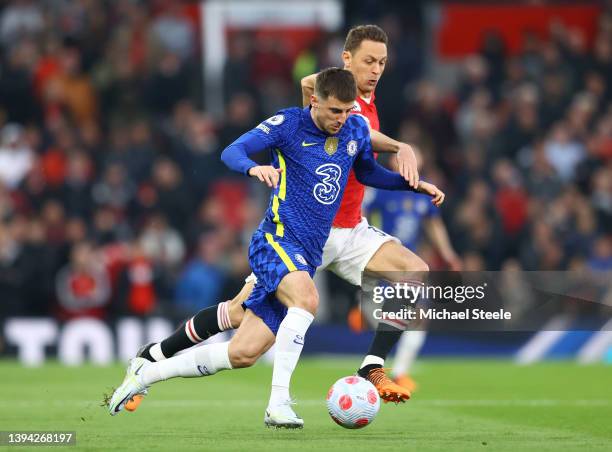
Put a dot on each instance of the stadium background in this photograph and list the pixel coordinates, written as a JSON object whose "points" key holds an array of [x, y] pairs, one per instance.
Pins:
{"points": [[117, 218]]}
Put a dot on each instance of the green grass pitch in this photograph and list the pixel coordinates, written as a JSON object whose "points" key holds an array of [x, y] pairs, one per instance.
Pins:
{"points": [[460, 405]]}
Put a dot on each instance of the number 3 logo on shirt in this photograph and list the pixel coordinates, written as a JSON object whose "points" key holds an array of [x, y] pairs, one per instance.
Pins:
{"points": [[328, 189]]}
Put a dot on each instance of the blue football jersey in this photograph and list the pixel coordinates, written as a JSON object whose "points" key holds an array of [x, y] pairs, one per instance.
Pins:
{"points": [[315, 168], [400, 214]]}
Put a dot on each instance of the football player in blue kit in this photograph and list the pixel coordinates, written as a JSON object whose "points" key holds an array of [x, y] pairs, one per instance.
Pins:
{"points": [[312, 150]]}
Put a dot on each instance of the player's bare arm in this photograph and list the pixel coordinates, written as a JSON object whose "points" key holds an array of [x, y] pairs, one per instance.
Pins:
{"points": [[438, 235], [406, 158], [436, 194]]}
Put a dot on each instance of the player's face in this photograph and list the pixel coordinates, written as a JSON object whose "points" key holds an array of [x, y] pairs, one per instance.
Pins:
{"points": [[367, 64], [330, 114]]}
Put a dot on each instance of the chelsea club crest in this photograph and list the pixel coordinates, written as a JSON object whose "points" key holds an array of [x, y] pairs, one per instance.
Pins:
{"points": [[351, 148]]}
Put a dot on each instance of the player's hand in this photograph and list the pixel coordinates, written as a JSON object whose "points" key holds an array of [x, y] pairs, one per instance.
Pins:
{"points": [[407, 164], [433, 191], [266, 174]]}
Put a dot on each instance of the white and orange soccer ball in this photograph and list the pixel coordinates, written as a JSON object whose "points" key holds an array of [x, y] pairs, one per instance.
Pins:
{"points": [[352, 402]]}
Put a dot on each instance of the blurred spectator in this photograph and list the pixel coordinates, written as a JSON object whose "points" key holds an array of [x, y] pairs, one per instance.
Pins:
{"points": [[201, 282], [601, 255], [174, 200], [16, 158], [137, 291], [83, 288], [563, 153], [173, 31], [114, 189], [162, 243], [20, 18], [77, 194]]}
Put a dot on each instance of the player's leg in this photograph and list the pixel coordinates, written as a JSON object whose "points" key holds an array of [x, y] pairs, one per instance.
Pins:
{"points": [[252, 339], [369, 252], [224, 316], [206, 323], [408, 349], [394, 263], [299, 294]]}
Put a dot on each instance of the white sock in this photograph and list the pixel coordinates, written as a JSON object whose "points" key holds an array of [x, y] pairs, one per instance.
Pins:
{"points": [[407, 350], [372, 359], [289, 344], [197, 362], [156, 352]]}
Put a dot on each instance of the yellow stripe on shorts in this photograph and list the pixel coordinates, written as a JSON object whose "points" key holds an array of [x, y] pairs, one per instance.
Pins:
{"points": [[281, 252]]}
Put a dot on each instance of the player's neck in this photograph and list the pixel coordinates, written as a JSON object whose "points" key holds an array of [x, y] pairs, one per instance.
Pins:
{"points": [[365, 96]]}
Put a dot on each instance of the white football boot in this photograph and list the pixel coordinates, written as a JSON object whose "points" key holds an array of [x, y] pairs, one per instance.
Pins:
{"points": [[283, 416], [130, 386]]}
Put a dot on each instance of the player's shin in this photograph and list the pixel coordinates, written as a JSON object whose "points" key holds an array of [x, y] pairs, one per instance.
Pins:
{"points": [[289, 344], [204, 324], [199, 362]]}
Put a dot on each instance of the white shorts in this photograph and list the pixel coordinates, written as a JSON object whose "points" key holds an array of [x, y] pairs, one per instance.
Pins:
{"points": [[348, 250]]}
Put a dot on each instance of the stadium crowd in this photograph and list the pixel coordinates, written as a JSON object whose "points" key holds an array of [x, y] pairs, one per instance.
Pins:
{"points": [[113, 199]]}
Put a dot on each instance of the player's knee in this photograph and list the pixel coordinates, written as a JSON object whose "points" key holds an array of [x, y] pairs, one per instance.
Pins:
{"points": [[414, 264], [309, 302], [244, 356], [236, 313]]}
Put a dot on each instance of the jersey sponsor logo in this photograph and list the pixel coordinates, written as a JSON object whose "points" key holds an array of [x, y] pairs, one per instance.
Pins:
{"points": [[307, 144], [331, 145], [264, 128], [327, 191], [351, 148], [298, 339], [300, 259], [276, 120], [356, 107]]}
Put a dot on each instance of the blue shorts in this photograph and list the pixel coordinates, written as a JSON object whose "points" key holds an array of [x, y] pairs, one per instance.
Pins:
{"points": [[271, 258]]}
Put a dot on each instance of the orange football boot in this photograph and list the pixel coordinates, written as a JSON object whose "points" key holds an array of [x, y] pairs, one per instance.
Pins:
{"points": [[134, 402], [405, 381], [387, 389]]}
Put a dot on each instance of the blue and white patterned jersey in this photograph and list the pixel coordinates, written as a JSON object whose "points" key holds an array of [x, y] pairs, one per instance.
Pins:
{"points": [[315, 168], [315, 171]]}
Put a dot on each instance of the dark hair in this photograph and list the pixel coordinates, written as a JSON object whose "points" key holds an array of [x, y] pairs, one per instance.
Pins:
{"points": [[360, 33], [336, 82]]}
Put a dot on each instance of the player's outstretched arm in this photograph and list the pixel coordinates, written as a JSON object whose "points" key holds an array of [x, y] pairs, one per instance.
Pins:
{"points": [[236, 157], [370, 173], [436, 230]]}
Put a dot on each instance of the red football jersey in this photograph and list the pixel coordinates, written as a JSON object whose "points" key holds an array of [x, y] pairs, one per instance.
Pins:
{"points": [[349, 214]]}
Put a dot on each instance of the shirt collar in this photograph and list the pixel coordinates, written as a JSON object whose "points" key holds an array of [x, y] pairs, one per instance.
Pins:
{"points": [[369, 101]]}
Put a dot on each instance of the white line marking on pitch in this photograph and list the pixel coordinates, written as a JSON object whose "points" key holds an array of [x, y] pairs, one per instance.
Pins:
{"points": [[315, 402]]}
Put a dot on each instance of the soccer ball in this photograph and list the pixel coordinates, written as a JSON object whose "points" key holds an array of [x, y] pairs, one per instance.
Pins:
{"points": [[352, 402]]}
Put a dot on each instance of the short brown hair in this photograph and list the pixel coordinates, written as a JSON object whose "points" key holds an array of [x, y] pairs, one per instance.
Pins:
{"points": [[360, 33], [336, 82]]}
